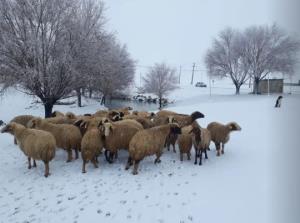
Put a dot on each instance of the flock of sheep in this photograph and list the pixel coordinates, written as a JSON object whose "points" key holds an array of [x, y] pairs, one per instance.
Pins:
{"points": [[141, 133]]}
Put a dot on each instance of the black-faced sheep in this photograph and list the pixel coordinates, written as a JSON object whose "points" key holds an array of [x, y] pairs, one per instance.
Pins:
{"points": [[67, 136], [220, 134], [149, 142], [35, 144], [201, 141]]}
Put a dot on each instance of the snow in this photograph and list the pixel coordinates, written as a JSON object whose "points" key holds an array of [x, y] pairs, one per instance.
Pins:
{"points": [[236, 187]]}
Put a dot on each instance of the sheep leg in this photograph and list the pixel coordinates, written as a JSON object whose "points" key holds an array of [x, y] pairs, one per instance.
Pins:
{"points": [[206, 157], [69, 155], [196, 155], [135, 167], [181, 156], [218, 148], [174, 150], [94, 162], [46, 168], [157, 160], [83, 166], [29, 162], [76, 153], [15, 141], [222, 149], [34, 163], [129, 163], [200, 161], [189, 155]]}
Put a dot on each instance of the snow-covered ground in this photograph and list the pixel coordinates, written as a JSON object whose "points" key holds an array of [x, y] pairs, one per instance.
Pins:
{"points": [[247, 184]]}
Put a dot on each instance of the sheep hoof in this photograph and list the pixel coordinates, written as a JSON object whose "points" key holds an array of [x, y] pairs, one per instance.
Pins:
{"points": [[29, 167], [83, 171], [195, 163], [69, 161], [222, 152], [200, 164], [134, 172]]}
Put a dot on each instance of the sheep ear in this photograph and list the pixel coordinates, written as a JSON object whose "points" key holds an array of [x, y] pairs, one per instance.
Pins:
{"points": [[121, 114]]}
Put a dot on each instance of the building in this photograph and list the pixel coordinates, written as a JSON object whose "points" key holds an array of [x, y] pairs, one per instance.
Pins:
{"points": [[275, 86]]}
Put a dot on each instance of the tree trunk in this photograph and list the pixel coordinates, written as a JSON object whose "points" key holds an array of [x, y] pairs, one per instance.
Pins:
{"points": [[256, 84], [103, 99], [48, 109], [237, 89], [78, 97], [160, 103], [90, 93]]}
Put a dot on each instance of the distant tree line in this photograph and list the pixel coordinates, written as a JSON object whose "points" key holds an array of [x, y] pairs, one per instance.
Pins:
{"points": [[52, 49], [252, 53]]}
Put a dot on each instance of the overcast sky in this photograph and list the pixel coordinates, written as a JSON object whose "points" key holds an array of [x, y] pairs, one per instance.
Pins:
{"points": [[179, 32]]}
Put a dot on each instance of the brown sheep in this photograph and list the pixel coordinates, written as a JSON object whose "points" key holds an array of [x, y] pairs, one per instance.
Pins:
{"points": [[185, 142], [146, 123], [201, 141], [117, 135], [35, 144], [149, 142], [166, 113], [67, 136], [91, 145], [220, 134], [23, 120]]}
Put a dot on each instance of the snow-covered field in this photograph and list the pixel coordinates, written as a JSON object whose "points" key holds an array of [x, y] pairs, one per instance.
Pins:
{"points": [[247, 184]]}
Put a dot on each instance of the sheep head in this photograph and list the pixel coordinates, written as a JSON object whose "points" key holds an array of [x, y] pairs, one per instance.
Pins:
{"points": [[108, 129], [33, 123], [233, 126], [10, 128], [70, 115], [116, 118], [171, 119], [1, 123], [195, 115]]}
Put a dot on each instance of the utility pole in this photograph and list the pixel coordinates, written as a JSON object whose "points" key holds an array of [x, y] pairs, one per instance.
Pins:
{"points": [[140, 79], [192, 81], [179, 74]]}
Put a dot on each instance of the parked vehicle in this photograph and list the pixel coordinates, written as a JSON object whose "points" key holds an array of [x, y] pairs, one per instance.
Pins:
{"points": [[200, 84]]}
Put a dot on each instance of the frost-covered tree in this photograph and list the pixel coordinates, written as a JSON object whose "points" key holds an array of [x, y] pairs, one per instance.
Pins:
{"points": [[254, 52], [269, 49], [227, 58], [84, 28], [160, 80], [113, 69], [33, 47]]}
